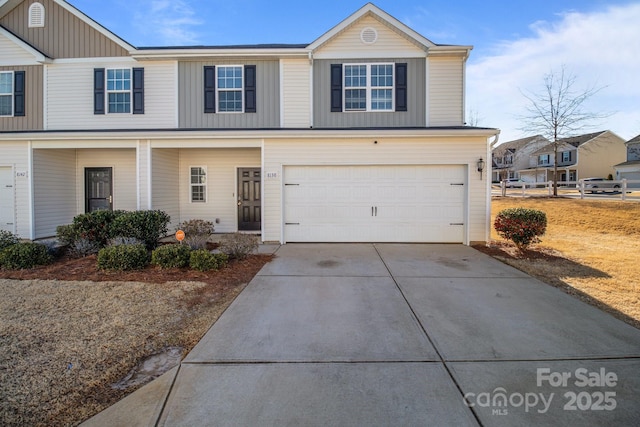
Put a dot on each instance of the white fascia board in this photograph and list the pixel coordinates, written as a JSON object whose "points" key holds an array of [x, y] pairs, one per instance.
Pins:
{"points": [[462, 51], [93, 24], [367, 55], [186, 53], [370, 8], [38, 56], [101, 60]]}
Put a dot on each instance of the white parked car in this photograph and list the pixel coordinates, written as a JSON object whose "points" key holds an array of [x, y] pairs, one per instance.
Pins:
{"points": [[513, 182], [593, 185]]}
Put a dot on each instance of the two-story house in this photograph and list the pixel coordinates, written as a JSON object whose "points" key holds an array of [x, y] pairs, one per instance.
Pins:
{"points": [[578, 157], [630, 169], [512, 156], [358, 136]]}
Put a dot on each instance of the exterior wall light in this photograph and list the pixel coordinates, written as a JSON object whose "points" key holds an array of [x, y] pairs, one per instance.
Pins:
{"points": [[480, 165]]}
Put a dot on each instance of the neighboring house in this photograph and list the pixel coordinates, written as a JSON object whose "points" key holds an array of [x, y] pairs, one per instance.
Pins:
{"points": [[630, 169], [356, 137], [510, 157], [583, 156]]}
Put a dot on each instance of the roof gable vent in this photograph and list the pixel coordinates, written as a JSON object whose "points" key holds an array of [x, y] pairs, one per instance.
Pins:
{"points": [[369, 35], [36, 15]]}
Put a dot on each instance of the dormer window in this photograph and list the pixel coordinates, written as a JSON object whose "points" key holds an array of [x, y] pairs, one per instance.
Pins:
{"points": [[36, 15]]}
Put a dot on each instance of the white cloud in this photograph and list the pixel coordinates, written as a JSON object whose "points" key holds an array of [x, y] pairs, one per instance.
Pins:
{"points": [[172, 21], [600, 49]]}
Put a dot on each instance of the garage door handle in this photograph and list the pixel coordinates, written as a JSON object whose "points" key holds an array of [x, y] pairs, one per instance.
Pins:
{"points": [[456, 223], [453, 183], [291, 223], [376, 211]]}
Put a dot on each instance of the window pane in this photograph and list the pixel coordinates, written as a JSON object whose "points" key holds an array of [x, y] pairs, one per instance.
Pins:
{"points": [[198, 188], [381, 75], [381, 99], [229, 77], [355, 99], [197, 193], [230, 101], [6, 83], [355, 76], [119, 102], [6, 109]]}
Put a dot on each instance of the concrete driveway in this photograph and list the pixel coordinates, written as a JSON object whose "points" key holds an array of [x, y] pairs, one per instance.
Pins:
{"points": [[398, 334]]}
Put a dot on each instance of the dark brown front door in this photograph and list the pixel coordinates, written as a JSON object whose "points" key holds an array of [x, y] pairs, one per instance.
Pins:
{"points": [[249, 203], [98, 184]]}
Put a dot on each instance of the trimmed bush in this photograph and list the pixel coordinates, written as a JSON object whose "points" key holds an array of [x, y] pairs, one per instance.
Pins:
{"points": [[196, 232], [521, 226], [67, 234], [238, 245], [146, 226], [203, 260], [123, 257], [171, 256], [7, 239], [24, 255]]}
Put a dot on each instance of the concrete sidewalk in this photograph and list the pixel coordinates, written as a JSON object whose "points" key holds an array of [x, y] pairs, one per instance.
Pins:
{"points": [[397, 334]]}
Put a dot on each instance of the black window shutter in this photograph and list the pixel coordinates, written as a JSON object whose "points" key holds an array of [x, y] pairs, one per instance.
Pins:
{"points": [[98, 91], [138, 91], [18, 93], [401, 87], [250, 89], [209, 89], [336, 88]]}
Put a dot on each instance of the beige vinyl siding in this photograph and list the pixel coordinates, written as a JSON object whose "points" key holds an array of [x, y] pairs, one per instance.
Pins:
{"points": [[54, 190], [32, 120], [446, 91], [63, 36], [165, 169], [388, 151], [123, 164], [191, 97], [598, 157], [390, 43], [70, 97], [12, 54], [296, 93], [16, 155], [413, 117], [221, 165]]}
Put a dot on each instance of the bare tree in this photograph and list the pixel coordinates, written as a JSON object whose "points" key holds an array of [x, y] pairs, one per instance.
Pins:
{"points": [[556, 112]]}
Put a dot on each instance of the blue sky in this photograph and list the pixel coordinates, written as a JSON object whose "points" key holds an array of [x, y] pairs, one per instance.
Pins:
{"points": [[515, 42]]}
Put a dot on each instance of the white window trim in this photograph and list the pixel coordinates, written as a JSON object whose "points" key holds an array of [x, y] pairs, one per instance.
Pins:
{"points": [[107, 91], [11, 94], [218, 90], [368, 88], [568, 153], [191, 185], [32, 22], [547, 162]]}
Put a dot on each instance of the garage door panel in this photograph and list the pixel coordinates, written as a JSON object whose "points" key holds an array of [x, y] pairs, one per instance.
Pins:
{"points": [[374, 203]]}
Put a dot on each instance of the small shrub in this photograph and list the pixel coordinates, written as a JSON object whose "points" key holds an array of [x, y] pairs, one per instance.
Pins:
{"points": [[147, 226], [67, 234], [197, 232], [123, 257], [171, 256], [24, 255], [95, 226], [83, 247], [521, 226], [7, 239], [238, 245], [203, 260]]}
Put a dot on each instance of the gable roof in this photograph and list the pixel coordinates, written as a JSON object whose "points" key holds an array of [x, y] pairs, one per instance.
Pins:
{"points": [[634, 140], [7, 6], [581, 139], [518, 144], [37, 55]]}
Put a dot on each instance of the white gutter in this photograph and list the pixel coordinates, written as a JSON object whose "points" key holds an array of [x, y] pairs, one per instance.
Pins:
{"points": [[176, 54]]}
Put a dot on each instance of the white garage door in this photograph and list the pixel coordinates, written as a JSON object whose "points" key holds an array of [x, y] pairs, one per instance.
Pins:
{"points": [[6, 199], [374, 203]]}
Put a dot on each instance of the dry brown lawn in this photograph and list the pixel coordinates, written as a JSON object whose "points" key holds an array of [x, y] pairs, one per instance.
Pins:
{"points": [[591, 249], [64, 342]]}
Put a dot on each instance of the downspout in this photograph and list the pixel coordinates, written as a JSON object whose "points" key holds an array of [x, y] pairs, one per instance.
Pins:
{"points": [[311, 89], [489, 175]]}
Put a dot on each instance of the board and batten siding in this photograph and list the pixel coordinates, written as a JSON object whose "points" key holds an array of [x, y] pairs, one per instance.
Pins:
{"points": [[15, 154], [32, 120], [191, 97], [165, 178], [222, 201], [54, 190], [415, 116], [446, 91], [296, 93], [123, 164], [388, 151], [70, 97], [64, 34]]}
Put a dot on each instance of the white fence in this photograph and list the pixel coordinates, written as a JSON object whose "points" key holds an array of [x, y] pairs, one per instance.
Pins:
{"points": [[621, 187]]}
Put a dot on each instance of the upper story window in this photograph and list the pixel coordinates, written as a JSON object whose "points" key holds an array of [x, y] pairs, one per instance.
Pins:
{"points": [[544, 159], [368, 87], [36, 15], [6, 93], [119, 90], [508, 159], [566, 156], [230, 89]]}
